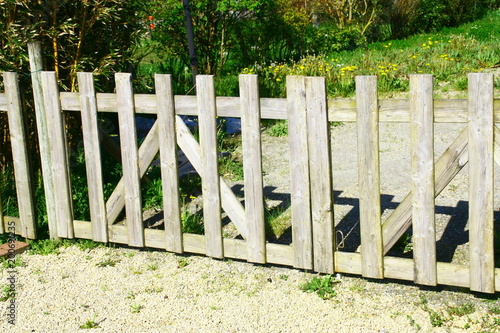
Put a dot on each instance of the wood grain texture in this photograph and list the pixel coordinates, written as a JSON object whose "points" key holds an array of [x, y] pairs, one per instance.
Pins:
{"points": [[320, 175], [20, 157], [58, 148], [210, 184], [369, 177], [130, 160], [168, 162], [92, 147], [481, 222], [36, 67], [299, 172], [422, 179], [252, 167]]}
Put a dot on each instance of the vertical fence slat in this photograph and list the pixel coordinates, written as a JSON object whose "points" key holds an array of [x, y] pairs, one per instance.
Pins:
{"points": [[90, 131], [22, 170], [207, 114], [130, 159], [36, 66], [168, 159], [369, 177], [252, 167], [320, 175], [58, 156], [422, 166], [299, 172], [481, 223]]}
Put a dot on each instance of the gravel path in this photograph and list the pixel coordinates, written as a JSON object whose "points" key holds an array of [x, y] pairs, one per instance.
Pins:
{"points": [[161, 292], [128, 290]]}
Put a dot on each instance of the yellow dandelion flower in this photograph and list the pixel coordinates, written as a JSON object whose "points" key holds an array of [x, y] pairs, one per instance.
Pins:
{"points": [[278, 79]]}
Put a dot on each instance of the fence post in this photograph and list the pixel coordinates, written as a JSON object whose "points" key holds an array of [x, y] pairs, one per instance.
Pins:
{"points": [[320, 175], [299, 172], [36, 67], [92, 147], [369, 177], [252, 167], [22, 170], [210, 182], [422, 176], [58, 156], [130, 159], [481, 222], [168, 159]]}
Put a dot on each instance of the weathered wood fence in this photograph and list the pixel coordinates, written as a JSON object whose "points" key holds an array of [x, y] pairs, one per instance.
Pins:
{"points": [[308, 113]]}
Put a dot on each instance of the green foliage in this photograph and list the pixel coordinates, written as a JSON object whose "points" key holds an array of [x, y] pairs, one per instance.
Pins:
{"points": [[6, 292], [461, 310], [46, 246], [322, 285], [108, 262], [192, 223], [278, 129], [89, 324]]}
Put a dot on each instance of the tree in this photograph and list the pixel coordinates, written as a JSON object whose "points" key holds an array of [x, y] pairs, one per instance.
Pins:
{"points": [[220, 27]]}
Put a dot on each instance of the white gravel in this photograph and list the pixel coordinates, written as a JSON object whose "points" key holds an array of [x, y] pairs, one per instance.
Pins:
{"points": [[161, 292]]}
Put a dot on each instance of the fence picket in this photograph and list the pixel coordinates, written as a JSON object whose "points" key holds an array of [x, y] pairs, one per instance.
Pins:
{"points": [[93, 163], [210, 184], [422, 175], [168, 160], [252, 168], [299, 172], [36, 67], [369, 177], [18, 140], [130, 159], [481, 145], [58, 156], [320, 175]]}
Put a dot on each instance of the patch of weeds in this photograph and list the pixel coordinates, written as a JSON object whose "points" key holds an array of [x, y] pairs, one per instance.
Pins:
{"points": [[230, 168], [322, 285], [283, 277], [130, 295], [91, 323], [153, 194], [495, 309], [461, 310], [7, 292], [136, 308], [277, 221], [153, 290], [87, 244], [152, 267], [7, 263], [182, 262], [45, 246], [436, 319], [413, 323], [278, 129], [128, 254], [192, 223], [108, 262]]}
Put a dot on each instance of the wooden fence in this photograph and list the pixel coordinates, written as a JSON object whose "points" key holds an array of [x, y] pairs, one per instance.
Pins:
{"points": [[308, 112]]}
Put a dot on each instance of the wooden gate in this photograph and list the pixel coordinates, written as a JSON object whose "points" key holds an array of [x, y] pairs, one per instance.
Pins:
{"points": [[309, 114]]}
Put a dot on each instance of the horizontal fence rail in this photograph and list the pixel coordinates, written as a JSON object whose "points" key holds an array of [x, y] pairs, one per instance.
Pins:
{"points": [[308, 111]]}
